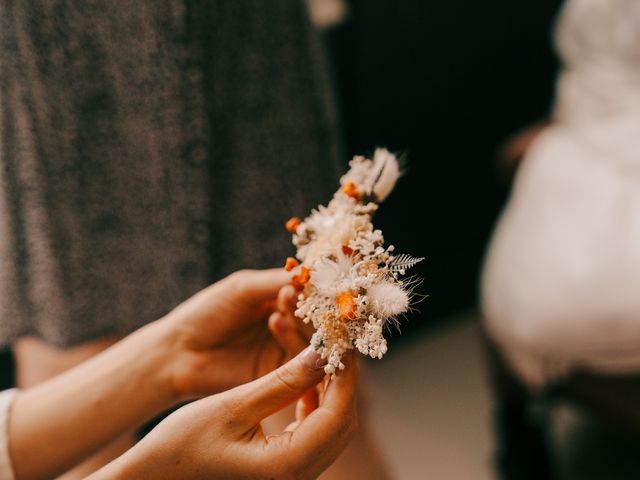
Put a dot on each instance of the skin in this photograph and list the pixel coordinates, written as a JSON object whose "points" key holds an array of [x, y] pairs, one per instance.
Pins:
{"points": [[214, 341], [230, 443]]}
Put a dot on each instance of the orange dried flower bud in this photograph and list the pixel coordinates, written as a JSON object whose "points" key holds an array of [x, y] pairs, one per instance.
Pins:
{"points": [[347, 250], [292, 224], [300, 280], [346, 305], [351, 190], [290, 264]]}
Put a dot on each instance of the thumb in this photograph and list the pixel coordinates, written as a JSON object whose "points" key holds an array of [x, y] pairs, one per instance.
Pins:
{"points": [[270, 393]]}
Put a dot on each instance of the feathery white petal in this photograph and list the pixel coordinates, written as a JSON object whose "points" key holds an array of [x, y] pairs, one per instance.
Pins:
{"points": [[388, 299], [387, 165]]}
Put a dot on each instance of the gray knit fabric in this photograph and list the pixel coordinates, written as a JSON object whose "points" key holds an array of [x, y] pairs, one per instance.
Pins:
{"points": [[148, 148]]}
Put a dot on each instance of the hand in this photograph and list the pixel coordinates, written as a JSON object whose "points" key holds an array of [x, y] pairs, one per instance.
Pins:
{"points": [[291, 333], [218, 338], [221, 335], [513, 149], [221, 437]]}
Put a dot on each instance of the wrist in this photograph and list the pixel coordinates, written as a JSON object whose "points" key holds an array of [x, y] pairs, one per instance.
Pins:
{"points": [[157, 353], [122, 387], [137, 462], [177, 361]]}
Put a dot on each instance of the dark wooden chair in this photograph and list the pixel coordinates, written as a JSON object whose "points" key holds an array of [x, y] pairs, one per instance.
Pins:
{"points": [[524, 444]]}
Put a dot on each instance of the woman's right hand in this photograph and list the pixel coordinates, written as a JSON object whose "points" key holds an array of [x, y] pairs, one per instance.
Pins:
{"points": [[221, 437]]}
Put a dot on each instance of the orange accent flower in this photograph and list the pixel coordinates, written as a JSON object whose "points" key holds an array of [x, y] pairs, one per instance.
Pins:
{"points": [[348, 251], [346, 305], [300, 280], [292, 224], [351, 190], [291, 264]]}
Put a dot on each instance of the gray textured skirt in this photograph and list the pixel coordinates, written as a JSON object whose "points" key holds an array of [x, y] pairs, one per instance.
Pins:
{"points": [[148, 148]]}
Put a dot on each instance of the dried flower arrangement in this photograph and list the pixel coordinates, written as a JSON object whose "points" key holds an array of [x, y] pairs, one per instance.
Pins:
{"points": [[350, 283]]}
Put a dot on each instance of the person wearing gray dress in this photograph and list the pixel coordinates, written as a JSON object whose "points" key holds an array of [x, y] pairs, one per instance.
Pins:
{"points": [[147, 149]]}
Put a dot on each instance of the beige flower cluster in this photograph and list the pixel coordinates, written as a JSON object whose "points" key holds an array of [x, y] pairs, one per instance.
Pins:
{"points": [[350, 283]]}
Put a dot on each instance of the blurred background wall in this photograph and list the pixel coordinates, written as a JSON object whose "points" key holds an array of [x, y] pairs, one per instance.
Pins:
{"points": [[449, 82], [446, 82]]}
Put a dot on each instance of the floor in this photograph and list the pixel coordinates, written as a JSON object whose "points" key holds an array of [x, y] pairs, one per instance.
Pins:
{"points": [[430, 410], [430, 406]]}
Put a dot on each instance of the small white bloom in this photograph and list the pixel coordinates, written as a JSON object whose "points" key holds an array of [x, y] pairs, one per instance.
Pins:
{"points": [[388, 299]]}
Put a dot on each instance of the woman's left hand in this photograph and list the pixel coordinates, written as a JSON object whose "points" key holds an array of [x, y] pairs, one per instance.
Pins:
{"points": [[228, 334]]}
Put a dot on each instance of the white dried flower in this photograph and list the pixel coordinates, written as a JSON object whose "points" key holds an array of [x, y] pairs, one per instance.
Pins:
{"points": [[388, 172], [349, 279], [388, 299]]}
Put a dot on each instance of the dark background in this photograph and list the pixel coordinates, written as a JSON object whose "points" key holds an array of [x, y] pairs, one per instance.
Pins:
{"points": [[446, 82]]}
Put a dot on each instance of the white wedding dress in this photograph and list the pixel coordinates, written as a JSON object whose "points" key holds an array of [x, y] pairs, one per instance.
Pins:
{"points": [[561, 281]]}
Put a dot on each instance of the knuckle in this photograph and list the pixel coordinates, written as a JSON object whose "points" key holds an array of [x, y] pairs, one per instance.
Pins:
{"points": [[285, 376]]}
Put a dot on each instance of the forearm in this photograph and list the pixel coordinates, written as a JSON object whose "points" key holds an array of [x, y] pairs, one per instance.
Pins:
{"points": [[141, 461], [60, 422]]}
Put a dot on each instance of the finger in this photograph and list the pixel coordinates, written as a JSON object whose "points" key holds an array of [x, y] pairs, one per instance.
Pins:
{"points": [[274, 324], [319, 439], [291, 427], [287, 299], [305, 330], [270, 356], [286, 304], [258, 285], [304, 406], [307, 404], [270, 393], [286, 334], [254, 287]]}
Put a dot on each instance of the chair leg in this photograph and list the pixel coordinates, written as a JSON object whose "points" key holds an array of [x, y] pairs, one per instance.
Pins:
{"points": [[520, 425]]}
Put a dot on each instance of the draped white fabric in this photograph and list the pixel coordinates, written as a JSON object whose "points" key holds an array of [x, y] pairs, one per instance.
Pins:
{"points": [[561, 283]]}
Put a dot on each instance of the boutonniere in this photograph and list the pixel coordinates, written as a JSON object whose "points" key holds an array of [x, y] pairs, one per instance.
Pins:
{"points": [[351, 286]]}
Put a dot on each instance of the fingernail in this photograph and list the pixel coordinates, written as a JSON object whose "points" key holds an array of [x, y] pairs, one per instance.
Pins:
{"points": [[312, 359]]}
